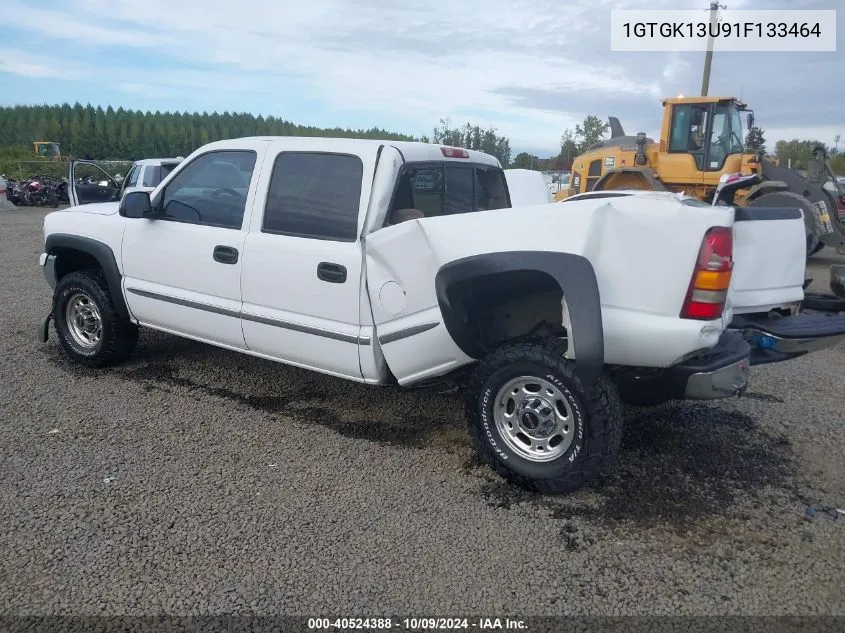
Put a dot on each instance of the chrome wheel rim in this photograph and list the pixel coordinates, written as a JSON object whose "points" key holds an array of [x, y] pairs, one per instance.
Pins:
{"points": [[534, 418], [83, 319]]}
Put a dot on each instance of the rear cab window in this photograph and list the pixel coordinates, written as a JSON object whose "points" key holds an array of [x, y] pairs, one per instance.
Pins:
{"points": [[447, 189]]}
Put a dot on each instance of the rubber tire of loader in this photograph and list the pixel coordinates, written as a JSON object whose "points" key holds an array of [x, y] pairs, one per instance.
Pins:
{"points": [[596, 412], [791, 199], [119, 336]]}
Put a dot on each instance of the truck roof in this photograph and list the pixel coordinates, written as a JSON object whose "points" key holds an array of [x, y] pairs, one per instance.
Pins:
{"points": [[413, 151], [697, 99], [156, 162]]}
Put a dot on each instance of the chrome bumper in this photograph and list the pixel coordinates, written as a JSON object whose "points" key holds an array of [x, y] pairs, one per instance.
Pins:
{"points": [[791, 346], [727, 381], [48, 263]]}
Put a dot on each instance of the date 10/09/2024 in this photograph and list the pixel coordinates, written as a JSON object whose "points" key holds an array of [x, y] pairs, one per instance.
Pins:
{"points": [[416, 624]]}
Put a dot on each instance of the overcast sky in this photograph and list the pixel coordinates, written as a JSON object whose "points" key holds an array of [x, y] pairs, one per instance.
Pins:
{"points": [[531, 68]]}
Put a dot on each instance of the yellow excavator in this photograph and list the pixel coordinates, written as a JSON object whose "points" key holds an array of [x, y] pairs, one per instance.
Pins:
{"points": [[701, 140], [47, 149]]}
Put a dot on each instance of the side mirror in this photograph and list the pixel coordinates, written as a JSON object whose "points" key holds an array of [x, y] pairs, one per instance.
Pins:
{"points": [[136, 204], [750, 120]]}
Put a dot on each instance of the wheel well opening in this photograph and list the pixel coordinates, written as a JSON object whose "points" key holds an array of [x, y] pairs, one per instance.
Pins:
{"points": [[492, 309], [70, 260]]}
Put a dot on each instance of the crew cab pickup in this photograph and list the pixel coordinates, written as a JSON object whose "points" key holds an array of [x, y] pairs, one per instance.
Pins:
{"points": [[404, 263]]}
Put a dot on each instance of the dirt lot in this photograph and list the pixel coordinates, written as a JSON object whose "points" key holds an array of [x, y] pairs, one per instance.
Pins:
{"points": [[198, 481]]}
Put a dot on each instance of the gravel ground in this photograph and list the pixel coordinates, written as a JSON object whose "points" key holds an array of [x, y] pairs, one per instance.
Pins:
{"points": [[198, 481]]}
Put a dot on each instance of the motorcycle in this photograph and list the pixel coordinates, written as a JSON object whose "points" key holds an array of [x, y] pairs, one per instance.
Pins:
{"points": [[38, 191], [62, 192], [15, 192]]}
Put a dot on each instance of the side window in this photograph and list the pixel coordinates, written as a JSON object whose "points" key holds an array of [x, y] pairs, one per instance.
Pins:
{"points": [[689, 126], [132, 178], [212, 190], [314, 195], [593, 174], [152, 176], [155, 174]]}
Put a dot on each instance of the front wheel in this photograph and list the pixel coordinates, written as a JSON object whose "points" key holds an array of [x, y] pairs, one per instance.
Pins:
{"points": [[535, 424], [89, 328]]}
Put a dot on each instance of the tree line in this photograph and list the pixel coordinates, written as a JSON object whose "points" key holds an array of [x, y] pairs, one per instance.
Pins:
{"points": [[121, 134]]}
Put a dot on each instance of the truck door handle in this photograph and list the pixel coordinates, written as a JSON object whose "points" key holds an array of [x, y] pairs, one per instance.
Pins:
{"points": [[333, 273], [226, 254]]}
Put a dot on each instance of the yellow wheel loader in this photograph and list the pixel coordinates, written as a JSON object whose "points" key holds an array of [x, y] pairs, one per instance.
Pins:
{"points": [[701, 140], [47, 149]]}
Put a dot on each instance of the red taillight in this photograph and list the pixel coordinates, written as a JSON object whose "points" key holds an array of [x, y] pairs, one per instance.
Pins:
{"points": [[454, 152], [708, 288]]}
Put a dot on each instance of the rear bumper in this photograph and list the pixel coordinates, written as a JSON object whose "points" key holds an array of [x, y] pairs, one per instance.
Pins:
{"points": [[719, 372], [777, 339]]}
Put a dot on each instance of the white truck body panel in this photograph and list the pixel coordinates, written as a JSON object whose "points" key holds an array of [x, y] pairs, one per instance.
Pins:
{"points": [[641, 297], [271, 303], [769, 256], [769, 265], [527, 188]]}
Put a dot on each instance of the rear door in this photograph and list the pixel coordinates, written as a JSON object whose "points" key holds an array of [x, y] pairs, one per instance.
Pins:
{"points": [[302, 265], [90, 183]]}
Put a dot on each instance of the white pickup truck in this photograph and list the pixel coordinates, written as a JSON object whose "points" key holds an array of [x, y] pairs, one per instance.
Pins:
{"points": [[389, 262]]}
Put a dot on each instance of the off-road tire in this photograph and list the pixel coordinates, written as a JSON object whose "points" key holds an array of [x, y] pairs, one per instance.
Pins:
{"points": [[119, 336], [812, 226], [597, 412]]}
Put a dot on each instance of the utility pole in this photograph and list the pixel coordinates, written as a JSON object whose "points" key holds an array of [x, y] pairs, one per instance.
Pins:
{"points": [[708, 56]]}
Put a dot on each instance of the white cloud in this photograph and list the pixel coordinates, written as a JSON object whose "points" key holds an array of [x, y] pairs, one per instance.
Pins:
{"points": [[27, 65], [532, 67], [423, 61]]}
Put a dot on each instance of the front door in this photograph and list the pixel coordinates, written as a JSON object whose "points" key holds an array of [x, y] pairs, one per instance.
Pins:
{"points": [[89, 183], [301, 279], [182, 270]]}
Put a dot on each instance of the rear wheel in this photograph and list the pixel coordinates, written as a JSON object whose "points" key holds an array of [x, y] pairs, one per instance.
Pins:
{"points": [[812, 226], [534, 422]]}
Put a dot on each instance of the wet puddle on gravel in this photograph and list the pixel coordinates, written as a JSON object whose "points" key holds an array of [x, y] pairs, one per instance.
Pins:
{"points": [[679, 464]]}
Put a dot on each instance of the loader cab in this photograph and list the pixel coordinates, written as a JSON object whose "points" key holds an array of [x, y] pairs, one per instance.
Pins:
{"points": [[707, 129]]}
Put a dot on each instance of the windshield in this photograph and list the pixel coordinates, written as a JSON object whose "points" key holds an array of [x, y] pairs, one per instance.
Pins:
{"points": [[726, 137], [727, 128]]}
